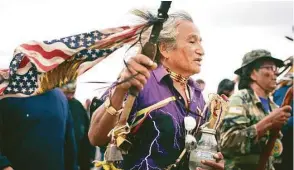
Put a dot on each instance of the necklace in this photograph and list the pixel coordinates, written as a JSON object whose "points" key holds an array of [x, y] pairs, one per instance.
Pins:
{"points": [[177, 77], [183, 81], [189, 121]]}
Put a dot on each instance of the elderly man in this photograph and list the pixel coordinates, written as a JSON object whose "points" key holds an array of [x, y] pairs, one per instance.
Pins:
{"points": [[159, 140], [252, 115]]}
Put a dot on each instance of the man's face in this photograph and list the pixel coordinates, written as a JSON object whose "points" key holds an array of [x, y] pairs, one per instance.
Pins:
{"points": [[186, 58], [228, 93], [266, 76]]}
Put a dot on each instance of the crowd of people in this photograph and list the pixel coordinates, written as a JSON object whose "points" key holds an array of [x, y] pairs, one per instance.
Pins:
{"points": [[54, 131]]}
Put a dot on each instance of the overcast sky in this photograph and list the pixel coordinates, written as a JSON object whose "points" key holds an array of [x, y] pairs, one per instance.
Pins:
{"points": [[229, 29]]}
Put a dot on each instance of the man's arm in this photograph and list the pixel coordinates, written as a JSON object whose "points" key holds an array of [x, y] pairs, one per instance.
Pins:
{"points": [[4, 162], [235, 133], [102, 122]]}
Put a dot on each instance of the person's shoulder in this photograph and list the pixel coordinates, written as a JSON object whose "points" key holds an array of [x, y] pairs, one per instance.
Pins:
{"points": [[240, 97], [238, 104], [241, 93], [157, 76], [155, 82], [74, 100], [56, 92]]}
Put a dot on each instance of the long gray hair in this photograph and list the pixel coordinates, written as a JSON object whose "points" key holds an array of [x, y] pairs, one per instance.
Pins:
{"points": [[169, 31]]}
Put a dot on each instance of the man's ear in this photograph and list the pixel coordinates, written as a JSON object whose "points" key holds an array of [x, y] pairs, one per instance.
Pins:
{"points": [[163, 49], [253, 75]]}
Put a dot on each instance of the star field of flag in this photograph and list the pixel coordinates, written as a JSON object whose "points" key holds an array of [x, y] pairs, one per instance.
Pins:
{"points": [[34, 59], [27, 83], [81, 40]]}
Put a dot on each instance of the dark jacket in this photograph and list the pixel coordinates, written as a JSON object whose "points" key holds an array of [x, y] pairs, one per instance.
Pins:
{"points": [[37, 133]]}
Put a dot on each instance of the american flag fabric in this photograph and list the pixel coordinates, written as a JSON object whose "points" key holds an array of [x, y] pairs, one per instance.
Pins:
{"points": [[33, 60]]}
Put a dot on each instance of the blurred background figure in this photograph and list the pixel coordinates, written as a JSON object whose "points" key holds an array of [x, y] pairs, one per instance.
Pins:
{"points": [[201, 84], [37, 133], [226, 87], [100, 151], [286, 83], [86, 151], [87, 107]]}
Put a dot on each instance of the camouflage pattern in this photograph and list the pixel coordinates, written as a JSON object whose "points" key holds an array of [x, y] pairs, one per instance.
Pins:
{"points": [[254, 55], [238, 135]]}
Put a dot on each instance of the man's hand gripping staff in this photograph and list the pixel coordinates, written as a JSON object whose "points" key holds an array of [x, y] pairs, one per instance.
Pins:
{"points": [[119, 144]]}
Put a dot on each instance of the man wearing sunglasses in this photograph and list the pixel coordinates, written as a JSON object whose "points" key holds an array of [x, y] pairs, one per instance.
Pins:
{"points": [[252, 115]]}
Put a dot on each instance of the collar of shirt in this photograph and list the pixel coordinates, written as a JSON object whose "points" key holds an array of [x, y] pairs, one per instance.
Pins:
{"points": [[257, 101]]}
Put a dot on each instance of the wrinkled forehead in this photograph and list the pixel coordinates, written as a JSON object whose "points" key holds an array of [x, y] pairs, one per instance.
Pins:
{"points": [[188, 30]]}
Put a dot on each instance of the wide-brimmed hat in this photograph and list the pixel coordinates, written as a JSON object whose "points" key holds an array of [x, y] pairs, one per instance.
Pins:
{"points": [[256, 55]]}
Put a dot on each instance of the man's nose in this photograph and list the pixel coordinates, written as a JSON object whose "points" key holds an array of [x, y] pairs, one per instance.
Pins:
{"points": [[200, 50], [276, 72]]}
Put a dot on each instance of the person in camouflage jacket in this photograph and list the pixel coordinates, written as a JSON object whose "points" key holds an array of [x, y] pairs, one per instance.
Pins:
{"points": [[252, 114]]}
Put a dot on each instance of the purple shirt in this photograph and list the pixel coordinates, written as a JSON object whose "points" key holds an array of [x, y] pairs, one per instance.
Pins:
{"points": [[160, 139]]}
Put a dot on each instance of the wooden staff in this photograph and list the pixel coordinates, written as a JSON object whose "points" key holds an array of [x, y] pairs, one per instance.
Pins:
{"points": [[149, 49]]}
